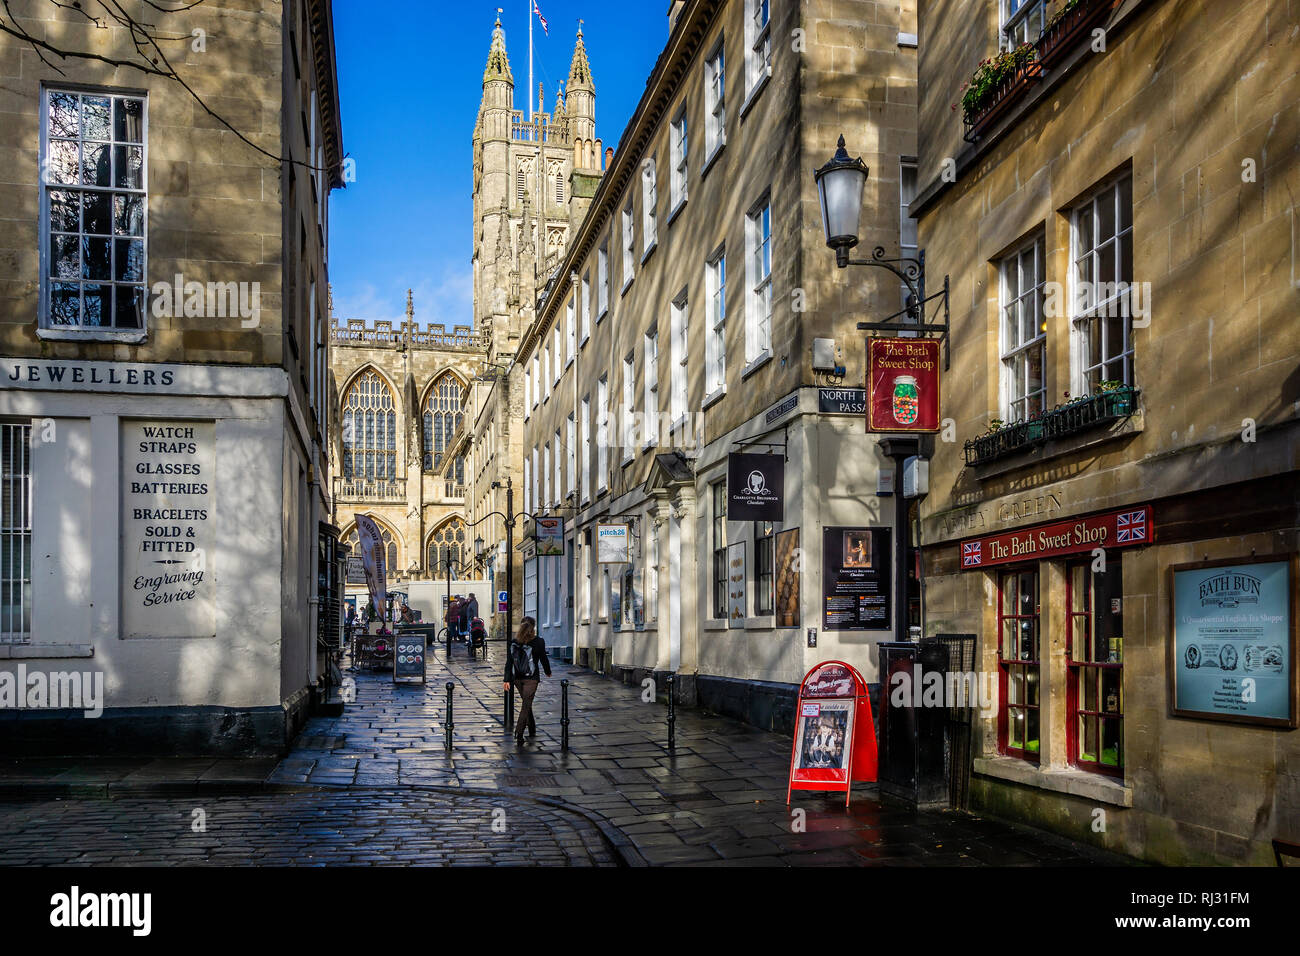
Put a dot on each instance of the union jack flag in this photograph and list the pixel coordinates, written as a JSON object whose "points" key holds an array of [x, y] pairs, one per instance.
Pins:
{"points": [[538, 10], [1131, 526], [971, 554]]}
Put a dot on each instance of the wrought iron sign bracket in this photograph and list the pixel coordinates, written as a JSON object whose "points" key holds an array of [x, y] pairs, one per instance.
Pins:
{"points": [[912, 272]]}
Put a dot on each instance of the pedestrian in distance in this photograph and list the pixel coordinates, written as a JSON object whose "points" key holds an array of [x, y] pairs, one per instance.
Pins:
{"points": [[525, 662], [471, 607]]}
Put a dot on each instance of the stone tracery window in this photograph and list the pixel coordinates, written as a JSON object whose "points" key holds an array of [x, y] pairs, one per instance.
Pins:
{"points": [[444, 410], [369, 429], [447, 544]]}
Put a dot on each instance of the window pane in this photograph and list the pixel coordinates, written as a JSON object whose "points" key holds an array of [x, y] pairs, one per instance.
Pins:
{"points": [[128, 260], [1111, 743], [63, 116], [64, 211], [95, 262], [96, 213], [63, 167], [64, 260], [95, 117], [65, 303], [128, 120], [130, 307], [1031, 731], [1088, 738], [95, 165], [1088, 688], [98, 305], [128, 162]]}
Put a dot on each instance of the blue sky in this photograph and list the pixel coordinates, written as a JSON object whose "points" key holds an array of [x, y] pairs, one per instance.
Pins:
{"points": [[411, 75]]}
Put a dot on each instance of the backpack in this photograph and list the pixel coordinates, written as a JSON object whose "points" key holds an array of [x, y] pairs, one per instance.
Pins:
{"points": [[521, 661]]}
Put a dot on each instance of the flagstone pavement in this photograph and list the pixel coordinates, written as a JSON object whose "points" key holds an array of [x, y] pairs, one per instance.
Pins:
{"points": [[377, 785]]}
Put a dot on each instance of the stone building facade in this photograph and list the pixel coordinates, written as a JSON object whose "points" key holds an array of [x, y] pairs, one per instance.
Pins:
{"points": [[1121, 447], [164, 403], [403, 394], [679, 328]]}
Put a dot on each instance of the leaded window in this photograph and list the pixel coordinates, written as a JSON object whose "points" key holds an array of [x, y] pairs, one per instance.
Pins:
{"points": [[444, 410], [447, 548], [369, 429]]}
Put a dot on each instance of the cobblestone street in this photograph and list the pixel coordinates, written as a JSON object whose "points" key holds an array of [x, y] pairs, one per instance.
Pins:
{"points": [[376, 786]]}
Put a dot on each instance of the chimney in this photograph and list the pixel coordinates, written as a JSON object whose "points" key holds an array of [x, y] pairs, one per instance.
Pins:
{"points": [[674, 11]]}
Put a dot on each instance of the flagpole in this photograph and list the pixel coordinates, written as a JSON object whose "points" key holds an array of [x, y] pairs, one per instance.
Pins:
{"points": [[530, 60]]}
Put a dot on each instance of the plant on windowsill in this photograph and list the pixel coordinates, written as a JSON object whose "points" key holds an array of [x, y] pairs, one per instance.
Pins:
{"points": [[1068, 26], [996, 84]]}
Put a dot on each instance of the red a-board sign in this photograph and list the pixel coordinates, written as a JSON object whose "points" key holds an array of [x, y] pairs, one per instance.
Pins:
{"points": [[834, 735], [1114, 529], [902, 385]]}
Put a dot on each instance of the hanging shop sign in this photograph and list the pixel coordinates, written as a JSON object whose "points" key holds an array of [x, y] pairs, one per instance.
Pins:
{"points": [[789, 565], [612, 544], [1233, 652], [902, 385], [1114, 529], [842, 401], [356, 570], [855, 579], [755, 487], [549, 535], [835, 739], [736, 584]]}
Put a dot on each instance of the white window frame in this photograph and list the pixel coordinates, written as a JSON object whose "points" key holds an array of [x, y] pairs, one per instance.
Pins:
{"points": [[528, 392], [602, 280], [47, 329], [546, 475], [602, 434], [537, 378], [557, 344], [1022, 22], [715, 289], [585, 452], [571, 452], [629, 245], [629, 406], [571, 327], [537, 479], [758, 46], [650, 351], [649, 207], [559, 470], [586, 308], [680, 353], [546, 376], [1087, 316], [758, 299], [1018, 304], [680, 148], [715, 103], [528, 485]]}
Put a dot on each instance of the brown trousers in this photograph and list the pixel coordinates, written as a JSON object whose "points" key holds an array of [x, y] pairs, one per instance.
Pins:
{"points": [[527, 690]]}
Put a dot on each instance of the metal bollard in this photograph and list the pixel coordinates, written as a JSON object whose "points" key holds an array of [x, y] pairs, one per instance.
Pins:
{"points": [[564, 715], [447, 723], [510, 708], [672, 715]]}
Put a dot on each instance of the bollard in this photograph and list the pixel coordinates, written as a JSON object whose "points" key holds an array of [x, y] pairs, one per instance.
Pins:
{"points": [[447, 724], [510, 708], [672, 716], [564, 715]]}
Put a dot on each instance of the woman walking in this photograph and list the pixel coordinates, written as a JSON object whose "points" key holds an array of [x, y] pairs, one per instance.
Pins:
{"points": [[525, 661]]}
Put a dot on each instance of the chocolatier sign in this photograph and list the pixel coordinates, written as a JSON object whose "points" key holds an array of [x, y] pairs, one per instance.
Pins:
{"points": [[167, 493], [1115, 529], [902, 385]]}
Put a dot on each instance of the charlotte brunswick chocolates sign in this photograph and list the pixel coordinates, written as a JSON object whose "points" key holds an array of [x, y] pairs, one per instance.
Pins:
{"points": [[902, 385]]}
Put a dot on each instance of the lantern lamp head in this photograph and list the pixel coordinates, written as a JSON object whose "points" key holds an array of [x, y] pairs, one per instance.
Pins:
{"points": [[839, 188]]}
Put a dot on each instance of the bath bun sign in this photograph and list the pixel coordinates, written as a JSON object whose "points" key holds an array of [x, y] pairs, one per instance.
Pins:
{"points": [[902, 385]]}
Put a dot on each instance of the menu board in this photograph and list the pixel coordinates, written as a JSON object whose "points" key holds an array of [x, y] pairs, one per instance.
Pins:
{"points": [[409, 659], [1233, 653], [855, 579], [168, 514]]}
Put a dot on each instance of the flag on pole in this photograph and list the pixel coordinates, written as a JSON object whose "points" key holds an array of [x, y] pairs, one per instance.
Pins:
{"points": [[372, 560], [538, 10]]}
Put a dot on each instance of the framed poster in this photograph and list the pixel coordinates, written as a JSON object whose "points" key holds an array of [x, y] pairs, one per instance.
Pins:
{"points": [[612, 544], [1232, 653], [834, 736], [856, 579], [789, 564], [825, 729], [736, 584]]}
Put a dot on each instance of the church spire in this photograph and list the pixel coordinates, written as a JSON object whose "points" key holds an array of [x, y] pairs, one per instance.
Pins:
{"points": [[579, 68], [498, 64]]}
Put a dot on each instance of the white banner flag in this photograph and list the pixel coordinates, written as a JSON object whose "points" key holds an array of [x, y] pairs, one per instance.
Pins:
{"points": [[373, 560]]}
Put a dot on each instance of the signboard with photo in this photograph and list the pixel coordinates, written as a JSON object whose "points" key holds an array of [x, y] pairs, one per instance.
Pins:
{"points": [[736, 584], [789, 567], [1233, 652], [755, 487], [549, 535], [408, 662], [902, 385], [613, 544], [835, 738], [856, 579]]}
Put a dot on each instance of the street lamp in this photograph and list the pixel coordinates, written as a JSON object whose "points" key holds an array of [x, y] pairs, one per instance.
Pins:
{"points": [[839, 187]]}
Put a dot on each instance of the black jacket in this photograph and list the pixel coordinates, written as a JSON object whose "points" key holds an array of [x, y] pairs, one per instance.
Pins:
{"points": [[537, 657], [471, 609]]}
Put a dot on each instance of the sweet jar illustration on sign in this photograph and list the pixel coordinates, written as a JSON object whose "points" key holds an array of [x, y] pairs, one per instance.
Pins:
{"points": [[907, 400]]}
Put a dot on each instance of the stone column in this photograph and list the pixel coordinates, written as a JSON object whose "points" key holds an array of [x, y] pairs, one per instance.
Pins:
{"points": [[690, 583]]}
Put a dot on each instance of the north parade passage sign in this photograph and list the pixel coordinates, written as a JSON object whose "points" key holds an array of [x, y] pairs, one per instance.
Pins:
{"points": [[168, 477]]}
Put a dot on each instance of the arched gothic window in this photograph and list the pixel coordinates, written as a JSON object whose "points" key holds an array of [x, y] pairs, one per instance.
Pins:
{"points": [[443, 411], [353, 541], [369, 429], [447, 543]]}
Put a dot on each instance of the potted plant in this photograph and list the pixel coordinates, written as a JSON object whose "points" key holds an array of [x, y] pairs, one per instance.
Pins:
{"points": [[1067, 26], [997, 83], [1117, 396]]}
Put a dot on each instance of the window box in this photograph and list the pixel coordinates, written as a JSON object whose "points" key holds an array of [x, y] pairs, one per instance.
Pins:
{"points": [[1071, 24], [1077, 416], [996, 86]]}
